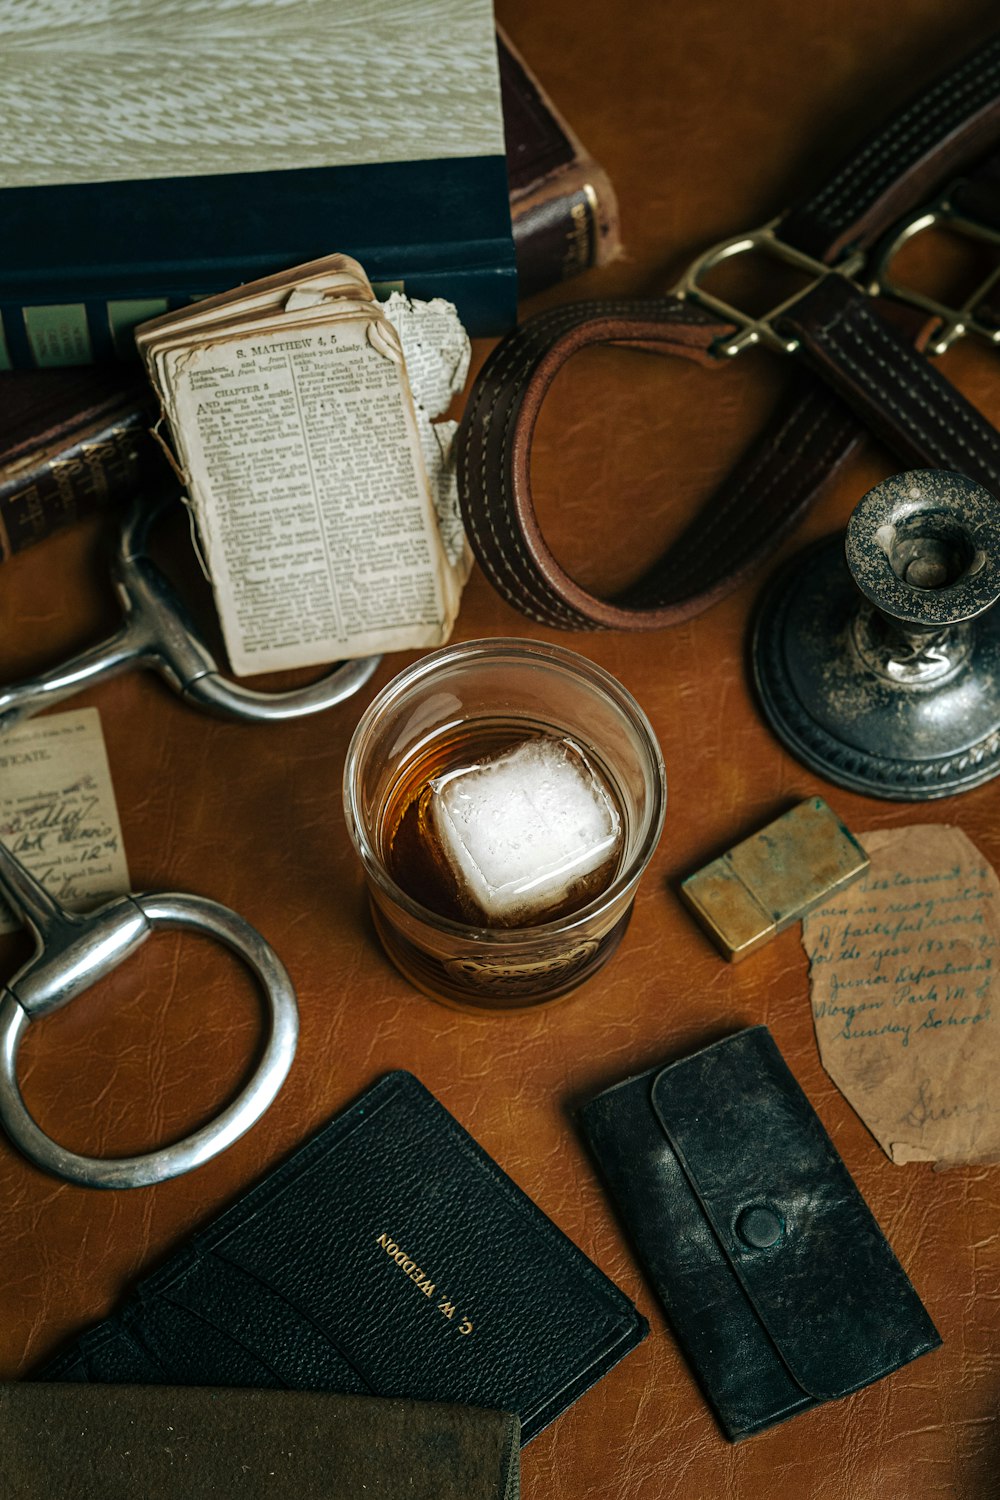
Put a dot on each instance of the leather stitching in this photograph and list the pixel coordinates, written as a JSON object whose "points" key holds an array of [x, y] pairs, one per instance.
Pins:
{"points": [[523, 349], [812, 479], [879, 154], [503, 552], [528, 582], [942, 396], [531, 581], [530, 593], [716, 534], [715, 524]]}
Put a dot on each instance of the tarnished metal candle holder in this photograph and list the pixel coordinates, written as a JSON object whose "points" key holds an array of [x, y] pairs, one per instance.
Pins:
{"points": [[878, 662]]}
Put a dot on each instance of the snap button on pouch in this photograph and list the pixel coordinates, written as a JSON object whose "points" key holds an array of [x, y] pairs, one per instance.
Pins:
{"points": [[760, 1227]]}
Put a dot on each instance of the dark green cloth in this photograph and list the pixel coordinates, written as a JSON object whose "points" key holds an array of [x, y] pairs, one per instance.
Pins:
{"points": [[106, 1442]]}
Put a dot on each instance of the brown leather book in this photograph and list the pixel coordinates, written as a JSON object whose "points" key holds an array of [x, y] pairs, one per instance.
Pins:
{"points": [[71, 442], [563, 207], [90, 1442]]}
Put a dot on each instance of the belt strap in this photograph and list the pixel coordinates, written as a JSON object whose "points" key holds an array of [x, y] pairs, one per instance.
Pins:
{"points": [[898, 393], [871, 377], [945, 127]]}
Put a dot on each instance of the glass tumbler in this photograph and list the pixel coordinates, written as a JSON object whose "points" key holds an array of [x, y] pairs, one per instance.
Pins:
{"points": [[444, 708]]}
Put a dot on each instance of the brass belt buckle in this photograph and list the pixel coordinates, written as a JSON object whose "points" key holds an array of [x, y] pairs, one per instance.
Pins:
{"points": [[955, 322], [761, 331]]}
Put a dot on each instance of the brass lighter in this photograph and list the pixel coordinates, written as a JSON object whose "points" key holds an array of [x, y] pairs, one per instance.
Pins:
{"points": [[759, 887]]}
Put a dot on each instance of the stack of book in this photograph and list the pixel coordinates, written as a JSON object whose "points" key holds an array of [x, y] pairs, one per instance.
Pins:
{"points": [[202, 154], [203, 146]]}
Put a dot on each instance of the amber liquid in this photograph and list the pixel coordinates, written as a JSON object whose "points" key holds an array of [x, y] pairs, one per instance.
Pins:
{"points": [[410, 848]]}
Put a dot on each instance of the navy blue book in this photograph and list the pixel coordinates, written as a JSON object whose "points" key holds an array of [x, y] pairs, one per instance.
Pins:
{"points": [[156, 153]]}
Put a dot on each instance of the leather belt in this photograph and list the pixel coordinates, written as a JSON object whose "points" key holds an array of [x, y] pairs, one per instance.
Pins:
{"points": [[867, 369]]}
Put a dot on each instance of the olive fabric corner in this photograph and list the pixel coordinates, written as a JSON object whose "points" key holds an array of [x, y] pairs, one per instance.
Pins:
{"points": [[108, 1442]]}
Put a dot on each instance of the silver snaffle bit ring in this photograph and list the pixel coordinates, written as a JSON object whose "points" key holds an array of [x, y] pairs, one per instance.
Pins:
{"points": [[158, 633], [75, 951]]}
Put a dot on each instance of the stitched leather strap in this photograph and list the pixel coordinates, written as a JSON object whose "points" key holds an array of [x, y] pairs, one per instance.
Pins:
{"points": [[760, 503], [947, 125], [900, 395], [779, 479]]}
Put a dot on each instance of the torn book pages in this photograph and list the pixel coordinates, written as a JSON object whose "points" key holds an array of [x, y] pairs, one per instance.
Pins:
{"points": [[303, 420]]}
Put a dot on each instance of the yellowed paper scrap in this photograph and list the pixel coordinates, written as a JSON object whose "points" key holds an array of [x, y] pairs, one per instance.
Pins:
{"points": [[437, 352], [58, 812], [905, 975]]}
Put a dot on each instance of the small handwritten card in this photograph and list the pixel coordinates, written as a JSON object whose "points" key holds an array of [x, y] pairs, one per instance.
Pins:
{"points": [[905, 974], [57, 810]]}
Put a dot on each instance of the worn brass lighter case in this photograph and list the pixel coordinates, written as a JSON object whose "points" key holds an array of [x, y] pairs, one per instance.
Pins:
{"points": [[772, 879]]}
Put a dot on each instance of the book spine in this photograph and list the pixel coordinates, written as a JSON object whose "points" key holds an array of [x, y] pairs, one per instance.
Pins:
{"points": [[564, 212], [90, 331], [565, 225], [99, 470], [49, 336]]}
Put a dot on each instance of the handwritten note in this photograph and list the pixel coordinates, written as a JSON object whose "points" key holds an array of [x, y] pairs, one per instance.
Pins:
{"points": [[905, 974], [58, 812]]}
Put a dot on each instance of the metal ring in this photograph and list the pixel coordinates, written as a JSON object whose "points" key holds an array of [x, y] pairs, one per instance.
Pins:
{"points": [[195, 913], [167, 639], [232, 700]]}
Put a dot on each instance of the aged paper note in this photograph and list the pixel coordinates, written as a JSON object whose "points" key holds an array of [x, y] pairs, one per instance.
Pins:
{"points": [[57, 810], [905, 975], [312, 502]]}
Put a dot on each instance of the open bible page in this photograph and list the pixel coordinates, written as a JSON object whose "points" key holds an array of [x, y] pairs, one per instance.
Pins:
{"points": [[310, 492]]}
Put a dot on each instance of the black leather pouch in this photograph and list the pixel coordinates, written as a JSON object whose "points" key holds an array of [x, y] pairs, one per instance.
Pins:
{"points": [[387, 1256], [776, 1278]]}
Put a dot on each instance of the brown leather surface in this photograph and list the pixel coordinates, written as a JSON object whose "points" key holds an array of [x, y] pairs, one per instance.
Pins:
{"points": [[709, 117]]}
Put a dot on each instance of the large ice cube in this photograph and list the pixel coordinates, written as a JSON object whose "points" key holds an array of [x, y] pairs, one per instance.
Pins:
{"points": [[520, 831]]}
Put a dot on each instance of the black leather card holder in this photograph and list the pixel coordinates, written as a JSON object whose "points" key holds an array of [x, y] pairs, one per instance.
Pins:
{"points": [[388, 1256], [777, 1280]]}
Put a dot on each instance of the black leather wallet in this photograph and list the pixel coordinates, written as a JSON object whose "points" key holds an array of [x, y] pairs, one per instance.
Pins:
{"points": [[776, 1278], [387, 1256]]}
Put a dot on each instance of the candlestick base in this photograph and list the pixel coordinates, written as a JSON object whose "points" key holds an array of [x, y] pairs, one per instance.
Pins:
{"points": [[896, 693]]}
